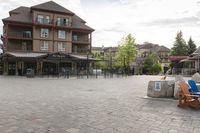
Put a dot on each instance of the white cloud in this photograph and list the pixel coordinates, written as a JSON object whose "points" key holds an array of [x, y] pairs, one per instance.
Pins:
{"points": [[155, 21]]}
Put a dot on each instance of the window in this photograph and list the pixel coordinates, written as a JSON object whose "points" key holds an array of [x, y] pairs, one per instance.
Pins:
{"points": [[59, 21], [43, 19], [75, 38], [26, 34], [40, 19], [61, 34], [61, 46], [44, 45], [44, 32], [46, 20], [62, 21], [66, 21]]}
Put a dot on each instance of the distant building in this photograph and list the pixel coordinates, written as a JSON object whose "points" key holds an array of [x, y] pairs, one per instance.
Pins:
{"points": [[104, 51], [147, 48]]}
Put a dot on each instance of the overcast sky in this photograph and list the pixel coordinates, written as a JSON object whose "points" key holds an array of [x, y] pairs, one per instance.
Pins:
{"points": [[155, 21]]}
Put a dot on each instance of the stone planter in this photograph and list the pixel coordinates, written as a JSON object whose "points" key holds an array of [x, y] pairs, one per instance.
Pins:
{"points": [[159, 89]]}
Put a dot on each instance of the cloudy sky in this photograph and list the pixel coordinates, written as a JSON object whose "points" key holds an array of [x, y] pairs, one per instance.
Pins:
{"points": [[155, 21]]}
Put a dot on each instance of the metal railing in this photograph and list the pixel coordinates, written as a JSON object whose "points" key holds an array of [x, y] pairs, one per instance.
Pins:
{"points": [[43, 21]]}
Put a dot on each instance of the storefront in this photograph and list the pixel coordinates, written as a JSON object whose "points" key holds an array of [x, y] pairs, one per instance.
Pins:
{"points": [[45, 63]]}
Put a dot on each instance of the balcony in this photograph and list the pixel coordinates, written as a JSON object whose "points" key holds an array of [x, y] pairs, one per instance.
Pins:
{"points": [[24, 35], [44, 21], [19, 45], [79, 49], [63, 23], [80, 40]]}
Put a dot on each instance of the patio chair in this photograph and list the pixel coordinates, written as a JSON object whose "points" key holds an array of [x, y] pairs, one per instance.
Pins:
{"points": [[186, 99], [194, 88]]}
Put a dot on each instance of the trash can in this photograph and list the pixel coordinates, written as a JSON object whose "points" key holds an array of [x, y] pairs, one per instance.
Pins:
{"points": [[30, 73]]}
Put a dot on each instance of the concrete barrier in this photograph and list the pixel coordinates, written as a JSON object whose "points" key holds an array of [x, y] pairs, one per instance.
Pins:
{"points": [[159, 89]]}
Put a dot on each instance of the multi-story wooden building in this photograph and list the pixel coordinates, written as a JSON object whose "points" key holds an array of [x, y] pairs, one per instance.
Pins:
{"points": [[147, 48], [45, 37]]}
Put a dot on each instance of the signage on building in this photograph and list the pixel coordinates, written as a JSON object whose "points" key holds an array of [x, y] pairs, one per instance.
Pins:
{"points": [[58, 56]]}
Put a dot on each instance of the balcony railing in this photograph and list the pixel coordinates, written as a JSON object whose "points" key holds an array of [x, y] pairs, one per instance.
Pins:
{"points": [[44, 21], [80, 50], [24, 34], [79, 40], [63, 23]]}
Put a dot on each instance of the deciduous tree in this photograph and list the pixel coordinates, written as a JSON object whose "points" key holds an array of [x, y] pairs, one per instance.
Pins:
{"points": [[127, 52]]}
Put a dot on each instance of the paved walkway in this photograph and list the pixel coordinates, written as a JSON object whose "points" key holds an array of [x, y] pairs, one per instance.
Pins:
{"points": [[51, 105]]}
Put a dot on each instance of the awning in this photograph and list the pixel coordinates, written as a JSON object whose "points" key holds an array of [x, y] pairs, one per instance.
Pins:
{"points": [[25, 54], [50, 56], [177, 58], [187, 60]]}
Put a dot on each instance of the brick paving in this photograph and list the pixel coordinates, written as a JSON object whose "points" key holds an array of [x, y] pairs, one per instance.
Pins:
{"points": [[117, 105]]}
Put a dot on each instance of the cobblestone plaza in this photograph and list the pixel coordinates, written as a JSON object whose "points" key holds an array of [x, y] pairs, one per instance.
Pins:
{"points": [[111, 105]]}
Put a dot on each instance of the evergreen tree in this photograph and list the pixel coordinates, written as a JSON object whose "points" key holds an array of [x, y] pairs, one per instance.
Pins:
{"points": [[191, 46], [179, 48]]}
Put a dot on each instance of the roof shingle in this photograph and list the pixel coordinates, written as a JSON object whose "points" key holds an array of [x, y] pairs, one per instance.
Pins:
{"points": [[52, 6], [24, 15]]}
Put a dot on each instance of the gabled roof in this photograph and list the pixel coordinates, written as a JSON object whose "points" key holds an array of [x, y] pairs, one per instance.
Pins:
{"points": [[197, 52], [22, 14], [153, 47], [51, 6], [20, 9], [77, 23], [163, 49]]}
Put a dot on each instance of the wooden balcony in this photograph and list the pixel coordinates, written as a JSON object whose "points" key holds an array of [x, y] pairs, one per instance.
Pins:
{"points": [[25, 35], [80, 40], [44, 22]]}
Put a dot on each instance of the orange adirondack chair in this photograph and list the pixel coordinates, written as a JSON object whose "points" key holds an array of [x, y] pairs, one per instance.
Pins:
{"points": [[186, 99]]}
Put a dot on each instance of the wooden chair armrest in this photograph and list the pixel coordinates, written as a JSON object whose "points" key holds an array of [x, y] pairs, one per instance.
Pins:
{"points": [[195, 92], [189, 95]]}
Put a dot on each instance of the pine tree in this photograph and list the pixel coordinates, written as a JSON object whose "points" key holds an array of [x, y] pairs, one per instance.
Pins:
{"points": [[191, 46], [179, 48]]}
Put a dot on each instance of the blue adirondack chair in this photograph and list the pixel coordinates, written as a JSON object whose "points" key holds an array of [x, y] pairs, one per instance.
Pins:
{"points": [[194, 88]]}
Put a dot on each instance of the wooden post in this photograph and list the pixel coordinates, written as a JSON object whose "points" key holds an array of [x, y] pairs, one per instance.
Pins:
{"points": [[5, 66], [41, 67], [16, 68], [22, 67]]}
